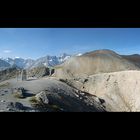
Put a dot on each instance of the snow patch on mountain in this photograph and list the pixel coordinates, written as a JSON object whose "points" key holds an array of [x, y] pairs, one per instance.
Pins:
{"points": [[47, 61]]}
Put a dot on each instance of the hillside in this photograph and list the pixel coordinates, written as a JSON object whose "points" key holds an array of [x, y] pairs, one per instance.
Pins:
{"points": [[4, 65], [119, 90], [8, 74], [96, 81], [100, 61], [135, 58], [51, 94]]}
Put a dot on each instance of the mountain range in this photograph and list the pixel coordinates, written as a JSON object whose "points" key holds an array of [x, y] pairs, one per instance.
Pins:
{"points": [[100, 80], [47, 61]]}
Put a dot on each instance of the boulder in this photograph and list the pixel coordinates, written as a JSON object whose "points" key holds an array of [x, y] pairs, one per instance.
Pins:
{"points": [[19, 92], [42, 97], [15, 106]]}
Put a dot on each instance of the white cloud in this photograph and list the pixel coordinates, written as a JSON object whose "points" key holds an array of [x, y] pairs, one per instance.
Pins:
{"points": [[7, 51]]}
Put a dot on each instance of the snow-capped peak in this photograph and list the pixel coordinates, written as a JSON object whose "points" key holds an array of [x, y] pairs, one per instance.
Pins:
{"points": [[46, 61], [79, 54]]}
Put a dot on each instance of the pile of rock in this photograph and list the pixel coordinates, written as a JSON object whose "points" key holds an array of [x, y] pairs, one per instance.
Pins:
{"points": [[19, 92]]}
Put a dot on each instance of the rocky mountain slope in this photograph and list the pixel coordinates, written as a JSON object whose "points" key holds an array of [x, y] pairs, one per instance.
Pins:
{"points": [[4, 65], [8, 74], [100, 61], [97, 81], [46, 94], [39, 72], [120, 90], [135, 58]]}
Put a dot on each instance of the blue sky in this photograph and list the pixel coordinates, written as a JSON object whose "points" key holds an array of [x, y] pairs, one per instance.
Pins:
{"points": [[38, 42]]}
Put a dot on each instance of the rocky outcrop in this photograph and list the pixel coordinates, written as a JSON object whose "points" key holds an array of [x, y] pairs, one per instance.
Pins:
{"points": [[19, 92], [39, 72], [42, 97]]}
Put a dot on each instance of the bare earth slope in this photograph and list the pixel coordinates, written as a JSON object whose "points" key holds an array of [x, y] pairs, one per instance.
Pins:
{"points": [[100, 61], [135, 58], [120, 90], [57, 92]]}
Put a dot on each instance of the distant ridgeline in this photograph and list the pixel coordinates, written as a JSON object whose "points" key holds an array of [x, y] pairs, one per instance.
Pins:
{"points": [[47, 61], [66, 66]]}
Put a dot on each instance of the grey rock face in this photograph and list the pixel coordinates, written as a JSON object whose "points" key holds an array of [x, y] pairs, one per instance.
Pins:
{"points": [[69, 100], [42, 97], [39, 72]]}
